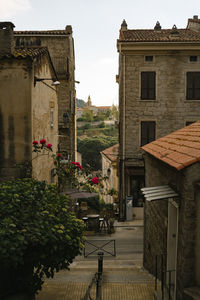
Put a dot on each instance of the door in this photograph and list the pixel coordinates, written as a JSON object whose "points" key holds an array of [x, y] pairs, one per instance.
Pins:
{"points": [[172, 240]]}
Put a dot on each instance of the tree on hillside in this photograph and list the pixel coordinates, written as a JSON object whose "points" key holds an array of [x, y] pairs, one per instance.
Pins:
{"points": [[115, 112], [80, 103], [87, 115], [91, 147]]}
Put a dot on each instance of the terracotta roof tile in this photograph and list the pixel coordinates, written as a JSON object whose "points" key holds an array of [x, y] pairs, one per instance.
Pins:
{"points": [[178, 149], [27, 52], [112, 152], [42, 32], [163, 35]]}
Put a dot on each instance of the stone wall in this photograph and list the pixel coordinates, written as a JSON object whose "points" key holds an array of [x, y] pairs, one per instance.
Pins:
{"points": [[15, 115], [170, 111], [44, 120], [156, 219], [61, 49]]}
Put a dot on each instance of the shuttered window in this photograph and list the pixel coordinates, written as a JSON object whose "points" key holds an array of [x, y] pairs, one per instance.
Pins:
{"points": [[148, 83], [148, 130], [193, 86]]}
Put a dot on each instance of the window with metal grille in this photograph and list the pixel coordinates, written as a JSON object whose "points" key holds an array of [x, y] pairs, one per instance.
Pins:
{"points": [[148, 83], [193, 86], [149, 58], [193, 58], [148, 132]]}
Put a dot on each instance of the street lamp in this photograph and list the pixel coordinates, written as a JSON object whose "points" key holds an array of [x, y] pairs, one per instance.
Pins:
{"points": [[56, 82]]}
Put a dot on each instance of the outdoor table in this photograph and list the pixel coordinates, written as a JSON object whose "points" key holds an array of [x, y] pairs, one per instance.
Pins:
{"points": [[93, 222]]}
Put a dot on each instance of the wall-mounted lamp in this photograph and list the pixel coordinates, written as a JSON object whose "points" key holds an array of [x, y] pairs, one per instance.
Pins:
{"points": [[56, 82]]}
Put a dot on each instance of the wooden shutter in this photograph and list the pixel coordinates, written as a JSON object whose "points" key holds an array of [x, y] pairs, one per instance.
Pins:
{"points": [[147, 132], [193, 86], [148, 80]]}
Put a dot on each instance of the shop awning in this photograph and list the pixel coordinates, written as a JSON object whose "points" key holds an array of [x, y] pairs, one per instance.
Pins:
{"points": [[158, 193]]}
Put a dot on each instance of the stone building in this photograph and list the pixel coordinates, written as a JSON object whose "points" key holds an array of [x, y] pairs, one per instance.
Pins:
{"points": [[109, 158], [60, 45], [172, 210], [28, 106], [159, 92]]}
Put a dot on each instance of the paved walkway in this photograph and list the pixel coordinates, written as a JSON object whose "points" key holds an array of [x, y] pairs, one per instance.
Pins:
{"points": [[123, 275]]}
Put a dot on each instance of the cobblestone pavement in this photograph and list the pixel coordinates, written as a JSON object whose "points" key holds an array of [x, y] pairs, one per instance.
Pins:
{"points": [[123, 275]]}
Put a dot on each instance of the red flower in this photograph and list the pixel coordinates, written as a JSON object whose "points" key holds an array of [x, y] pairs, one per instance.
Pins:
{"points": [[49, 146], [35, 142], [95, 180], [43, 141], [59, 154], [77, 164]]}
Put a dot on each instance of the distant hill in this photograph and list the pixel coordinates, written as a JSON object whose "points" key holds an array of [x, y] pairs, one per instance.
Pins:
{"points": [[80, 103]]}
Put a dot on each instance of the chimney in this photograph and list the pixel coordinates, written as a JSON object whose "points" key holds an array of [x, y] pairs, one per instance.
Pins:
{"points": [[68, 28], [194, 24], [124, 26], [6, 38]]}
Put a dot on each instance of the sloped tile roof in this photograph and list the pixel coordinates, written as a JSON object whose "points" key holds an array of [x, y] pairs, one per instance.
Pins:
{"points": [[42, 32], [163, 35], [178, 149], [112, 152], [27, 52]]}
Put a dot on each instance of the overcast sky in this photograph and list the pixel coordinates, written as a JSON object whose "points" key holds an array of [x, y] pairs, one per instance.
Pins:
{"points": [[96, 25]]}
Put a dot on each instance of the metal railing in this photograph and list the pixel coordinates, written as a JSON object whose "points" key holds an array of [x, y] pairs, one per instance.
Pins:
{"points": [[97, 278], [92, 246], [167, 285]]}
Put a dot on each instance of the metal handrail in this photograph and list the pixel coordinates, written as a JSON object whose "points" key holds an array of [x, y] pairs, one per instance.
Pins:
{"points": [[163, 277], [98, 279]]}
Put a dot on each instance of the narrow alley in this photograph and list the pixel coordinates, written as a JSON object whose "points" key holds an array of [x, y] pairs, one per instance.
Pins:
{"points": [[123, 275]]}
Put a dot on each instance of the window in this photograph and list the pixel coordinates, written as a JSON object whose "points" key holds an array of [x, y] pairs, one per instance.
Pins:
{"points": [[149, 58], [147, 132], [189, 123], [193, 86], [193, 58], [148, 82]]}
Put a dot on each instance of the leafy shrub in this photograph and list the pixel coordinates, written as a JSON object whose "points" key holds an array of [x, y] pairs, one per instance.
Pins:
{"points": [[38, 235], [102, 125]]}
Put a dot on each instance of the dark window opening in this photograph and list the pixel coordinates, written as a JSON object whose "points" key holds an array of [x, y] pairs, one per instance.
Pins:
{"points": [[148, 130], [149, 58], [193, 86], [189, 123], [148, 83], [136, 183], [193, 58]]}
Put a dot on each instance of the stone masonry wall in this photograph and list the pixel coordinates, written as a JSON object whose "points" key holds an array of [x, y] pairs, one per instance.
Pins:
{"points": [[155, 228], [170, 110], [62, 54]]}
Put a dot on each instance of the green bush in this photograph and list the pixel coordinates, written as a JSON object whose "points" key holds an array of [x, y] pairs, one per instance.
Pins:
{"points": [[91, 147], [38, 235]]}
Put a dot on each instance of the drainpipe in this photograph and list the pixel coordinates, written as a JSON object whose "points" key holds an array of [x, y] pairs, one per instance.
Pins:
{"points": [[122, 163]]}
